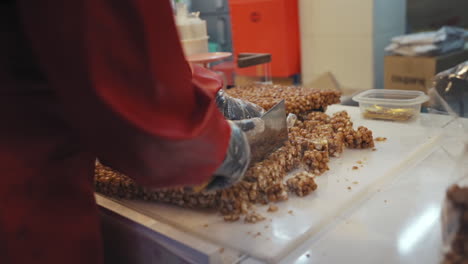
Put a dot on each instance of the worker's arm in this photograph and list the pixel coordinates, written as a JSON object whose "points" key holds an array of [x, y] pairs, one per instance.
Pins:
{"points": [[119, 70]]}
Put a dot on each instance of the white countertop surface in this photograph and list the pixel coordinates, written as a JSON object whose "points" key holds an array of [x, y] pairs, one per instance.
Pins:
{"points": [[393, 217]]}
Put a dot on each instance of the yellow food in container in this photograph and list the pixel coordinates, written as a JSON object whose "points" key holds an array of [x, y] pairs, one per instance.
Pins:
{"points": [[395, 105]]}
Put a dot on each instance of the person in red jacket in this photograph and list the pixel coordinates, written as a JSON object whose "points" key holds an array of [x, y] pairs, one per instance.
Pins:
{"points": [[81, 79]]}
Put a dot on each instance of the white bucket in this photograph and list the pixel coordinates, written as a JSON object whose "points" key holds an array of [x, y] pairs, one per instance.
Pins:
{"points": [[195, 46], [195, 29]]}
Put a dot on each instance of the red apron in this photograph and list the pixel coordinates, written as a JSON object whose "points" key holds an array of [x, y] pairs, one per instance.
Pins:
{"points": [[81, 79]]}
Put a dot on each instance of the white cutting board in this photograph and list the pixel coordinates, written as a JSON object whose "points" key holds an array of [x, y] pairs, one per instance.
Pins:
{"points": [[283, 230]]}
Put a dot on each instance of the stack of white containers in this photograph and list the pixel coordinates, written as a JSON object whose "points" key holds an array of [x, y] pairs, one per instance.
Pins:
{"points": [[192, 31], [348, 38]]}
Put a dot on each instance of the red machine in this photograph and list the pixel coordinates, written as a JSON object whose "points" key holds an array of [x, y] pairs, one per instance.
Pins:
{"points": [[267, 26]]}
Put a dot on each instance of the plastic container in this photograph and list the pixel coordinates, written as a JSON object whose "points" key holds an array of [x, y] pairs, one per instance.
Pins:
{"points": [[195, 46], [192, 31], [396, 105]]}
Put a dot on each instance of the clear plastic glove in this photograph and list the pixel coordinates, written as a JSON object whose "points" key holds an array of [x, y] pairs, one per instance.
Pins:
{"points": [[235, 164], [291, 120], [237, 109], [238, 155]]}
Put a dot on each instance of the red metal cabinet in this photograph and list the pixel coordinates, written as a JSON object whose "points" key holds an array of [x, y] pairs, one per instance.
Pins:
{"points": [[268, 26]]}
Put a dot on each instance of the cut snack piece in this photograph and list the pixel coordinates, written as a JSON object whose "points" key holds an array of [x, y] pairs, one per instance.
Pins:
{"points": [[302, 184]]}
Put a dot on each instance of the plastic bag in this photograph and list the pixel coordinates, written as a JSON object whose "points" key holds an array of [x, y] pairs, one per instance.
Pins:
{"points": [[431, 37], [444, 40], [447, 94], [446, 106], [237, 109], [452, 79], [452, 85]]}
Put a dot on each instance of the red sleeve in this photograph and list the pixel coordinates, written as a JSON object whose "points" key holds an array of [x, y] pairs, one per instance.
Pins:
{"points": [[119, 70]]}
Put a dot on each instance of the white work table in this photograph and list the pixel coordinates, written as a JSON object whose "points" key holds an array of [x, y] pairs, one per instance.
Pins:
{"points": [[392, 217]]}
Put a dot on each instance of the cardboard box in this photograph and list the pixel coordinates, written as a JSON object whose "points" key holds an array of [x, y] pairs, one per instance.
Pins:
{"points": [[417, 73]]}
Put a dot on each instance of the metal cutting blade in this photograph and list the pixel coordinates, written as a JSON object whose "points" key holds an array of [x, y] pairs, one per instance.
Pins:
{"points": [[274, 134]]}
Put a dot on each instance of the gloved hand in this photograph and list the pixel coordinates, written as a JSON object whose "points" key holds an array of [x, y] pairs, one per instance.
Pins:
{"points": [[246, 125], [237, 109], [235, 164]]}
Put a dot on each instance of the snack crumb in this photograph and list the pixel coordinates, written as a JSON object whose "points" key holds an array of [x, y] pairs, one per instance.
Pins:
{"points": [[272, 208], [355, 167], [221, 250], [359, 162], [385, 201], [380, 139], [253, 218], [290, 212], [349, 187], [374, 149], [258, 234], [355, 182]]}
